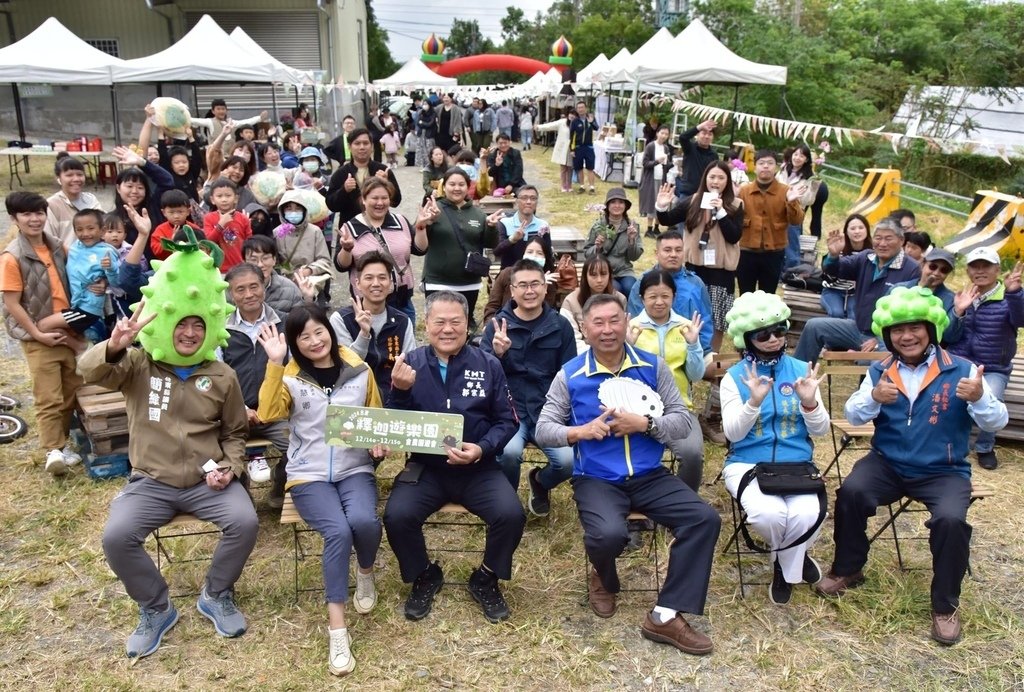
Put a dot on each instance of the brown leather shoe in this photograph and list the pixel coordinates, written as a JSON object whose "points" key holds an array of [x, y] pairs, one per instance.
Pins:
{"points": [[678, 633], [946, 628], [833, 585], [712, 430], [602, 601]]}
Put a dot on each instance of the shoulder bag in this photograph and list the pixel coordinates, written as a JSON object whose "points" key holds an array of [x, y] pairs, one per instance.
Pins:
{"points": [[785, 478], [475, 264]]}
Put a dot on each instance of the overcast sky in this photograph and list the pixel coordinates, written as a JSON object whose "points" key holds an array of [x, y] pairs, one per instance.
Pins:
{"points": [[409, 22]]}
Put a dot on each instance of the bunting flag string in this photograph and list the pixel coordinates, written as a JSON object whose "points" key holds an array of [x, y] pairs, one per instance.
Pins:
{"points": [[795, 129]]}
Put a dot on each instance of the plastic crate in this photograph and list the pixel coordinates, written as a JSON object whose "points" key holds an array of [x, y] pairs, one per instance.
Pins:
{"points": [[107, 466]]}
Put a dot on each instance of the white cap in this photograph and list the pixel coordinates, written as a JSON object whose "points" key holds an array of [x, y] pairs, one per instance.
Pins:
{"points": [[985, 254]]}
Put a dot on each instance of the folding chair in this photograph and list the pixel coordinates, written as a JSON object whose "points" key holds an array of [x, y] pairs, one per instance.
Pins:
{"points": [[455, 516], [290, 516], [181, 526], [741, 551], [846, 435], [909, 505], [652, 553]]}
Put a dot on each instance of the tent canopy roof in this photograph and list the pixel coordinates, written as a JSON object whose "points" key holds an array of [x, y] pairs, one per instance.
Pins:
{"points": [[189, 60], [282, 73], [35, 59], [695, 55], [414, 74]]}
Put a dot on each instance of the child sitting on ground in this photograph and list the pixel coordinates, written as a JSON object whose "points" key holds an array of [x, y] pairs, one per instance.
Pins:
{"points": [[226, 226], [89, 260], [174, 205]]}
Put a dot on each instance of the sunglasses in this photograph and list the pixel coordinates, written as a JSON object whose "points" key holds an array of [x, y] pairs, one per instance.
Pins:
{"points": [[940, 267], [777, 331]]}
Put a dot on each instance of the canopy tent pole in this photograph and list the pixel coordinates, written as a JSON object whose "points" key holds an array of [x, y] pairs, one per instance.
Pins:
{"points": [[274, 117], [117, 122], [735, 108], [19, 115]]}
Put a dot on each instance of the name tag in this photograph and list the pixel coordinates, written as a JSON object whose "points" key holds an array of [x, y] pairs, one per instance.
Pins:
{"points": [[709, 256]]}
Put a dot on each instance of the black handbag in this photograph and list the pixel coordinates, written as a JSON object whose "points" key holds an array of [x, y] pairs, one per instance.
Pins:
{"points": [[785, 478], [475, 264]]}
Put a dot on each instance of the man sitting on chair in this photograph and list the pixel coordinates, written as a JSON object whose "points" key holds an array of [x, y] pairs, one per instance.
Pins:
{"points": [[618, 469], [922, 400]]}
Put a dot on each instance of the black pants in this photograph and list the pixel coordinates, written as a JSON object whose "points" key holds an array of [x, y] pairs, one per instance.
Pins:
{"points": [[664, 498], [818, 209], [759, 270], [484, 492], [873, 483]]}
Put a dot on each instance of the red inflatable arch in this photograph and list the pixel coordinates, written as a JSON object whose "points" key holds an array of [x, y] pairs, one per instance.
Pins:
{"points": [[476, 63]]}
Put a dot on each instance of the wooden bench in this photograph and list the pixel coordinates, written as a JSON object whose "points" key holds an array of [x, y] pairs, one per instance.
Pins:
{"points": [[1014, 399], [803, 305]]}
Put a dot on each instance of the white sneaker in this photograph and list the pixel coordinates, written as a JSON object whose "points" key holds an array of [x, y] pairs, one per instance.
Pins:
{"points": [[366, 593], [259, 471], [340, 661], [71, 457], [55, 463]]}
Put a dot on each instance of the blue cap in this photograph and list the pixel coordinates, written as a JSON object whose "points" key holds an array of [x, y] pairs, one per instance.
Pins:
{"points": [[312, 151]]}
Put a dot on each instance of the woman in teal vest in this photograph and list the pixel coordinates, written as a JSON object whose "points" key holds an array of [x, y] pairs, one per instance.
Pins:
{"points": [[770, 407]]}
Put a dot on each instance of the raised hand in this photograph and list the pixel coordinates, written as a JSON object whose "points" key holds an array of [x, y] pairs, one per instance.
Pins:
{"points": [[835, 243], [142, 222], [633, 334], [127, 329], [428, 213], [970, 389], [127, 157], [306, 287], [666, 195], [403, 376], [363, 316], [707, 125], [759, 385], [599, 241], [345, 240], [350, 183], [691, 331], [1012, 282], [964, 298], [495, 217], [273, 343], [500, 343], [886, 392], [793, 192], [632, 232], [807, 387]]}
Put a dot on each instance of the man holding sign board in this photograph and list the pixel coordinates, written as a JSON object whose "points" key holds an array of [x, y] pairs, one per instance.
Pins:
{"points": [[450, 376]]}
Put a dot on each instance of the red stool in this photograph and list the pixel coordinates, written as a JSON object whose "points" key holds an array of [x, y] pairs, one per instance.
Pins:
{"points": [[107, 172]]}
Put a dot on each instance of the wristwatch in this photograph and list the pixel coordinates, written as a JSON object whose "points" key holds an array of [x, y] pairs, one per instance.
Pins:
{"points": [[652, 427]]}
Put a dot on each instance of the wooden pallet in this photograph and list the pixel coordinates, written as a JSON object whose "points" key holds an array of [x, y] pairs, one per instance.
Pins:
{"points": [[804, 306], [104, 417]]}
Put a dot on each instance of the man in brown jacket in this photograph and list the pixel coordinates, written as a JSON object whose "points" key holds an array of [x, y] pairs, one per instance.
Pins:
{"points": [[771, 207], [187, 428]]}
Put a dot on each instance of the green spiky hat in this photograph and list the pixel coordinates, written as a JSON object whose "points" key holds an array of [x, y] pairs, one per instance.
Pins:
{"points": [[906, 305], [753, 311], [186, 284]]}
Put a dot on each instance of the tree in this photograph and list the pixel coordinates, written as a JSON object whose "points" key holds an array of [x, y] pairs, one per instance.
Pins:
{"points": [[381, 64], [465, 39]]}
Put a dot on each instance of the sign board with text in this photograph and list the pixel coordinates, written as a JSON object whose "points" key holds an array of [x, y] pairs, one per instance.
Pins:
{"points": [[403, 431]]}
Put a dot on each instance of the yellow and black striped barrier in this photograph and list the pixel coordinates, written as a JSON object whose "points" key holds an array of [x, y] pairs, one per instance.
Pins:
{"points": [[879, 194], [996, 221]]}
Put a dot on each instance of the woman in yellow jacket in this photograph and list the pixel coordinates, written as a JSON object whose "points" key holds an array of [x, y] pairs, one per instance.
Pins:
{"points": [[333, 488], [659, 330]]}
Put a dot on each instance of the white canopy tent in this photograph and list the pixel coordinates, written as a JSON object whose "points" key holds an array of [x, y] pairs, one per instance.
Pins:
{"points": [[695, 55], [653, 51], [414, 74], [34, 59], [614, 65], [282, 73], [588, 75], [204, 54]]}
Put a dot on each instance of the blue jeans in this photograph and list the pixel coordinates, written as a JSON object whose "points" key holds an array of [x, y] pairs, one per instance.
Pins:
{"points": [[510, 459], [793, 248], [527, 136], [838, 304], [345, 514], [996, 381], [624, 284], [827, 332]]}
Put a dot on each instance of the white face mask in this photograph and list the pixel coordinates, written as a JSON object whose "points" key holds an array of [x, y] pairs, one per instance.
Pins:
{"points": [[293, 217], [310, 166], [466, 167], [539, 261]]}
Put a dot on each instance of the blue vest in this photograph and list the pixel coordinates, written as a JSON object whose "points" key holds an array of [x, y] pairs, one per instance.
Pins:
{"points": [[612, 459], [779, 434], [930, 437]]}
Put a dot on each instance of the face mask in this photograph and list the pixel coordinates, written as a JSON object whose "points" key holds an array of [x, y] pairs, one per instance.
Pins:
{"points": [[294, 217], [467, 168], [539, 261], [310, 166]]}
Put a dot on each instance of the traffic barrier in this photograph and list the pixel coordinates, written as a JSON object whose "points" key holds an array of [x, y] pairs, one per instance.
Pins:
{"points": [[879, 194], [996, 221]]}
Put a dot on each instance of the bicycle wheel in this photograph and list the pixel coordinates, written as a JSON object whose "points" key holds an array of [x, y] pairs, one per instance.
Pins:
{"points": [[8, 403], [11, 427]]}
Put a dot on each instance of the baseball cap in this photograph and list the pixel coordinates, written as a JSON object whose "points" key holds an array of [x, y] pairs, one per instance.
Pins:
{"points": [[938, 254], [985, 254]]}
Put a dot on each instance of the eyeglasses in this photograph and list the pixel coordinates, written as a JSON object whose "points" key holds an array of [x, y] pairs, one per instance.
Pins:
{"points": [[777, 331], [940, 267], [532, 286]]}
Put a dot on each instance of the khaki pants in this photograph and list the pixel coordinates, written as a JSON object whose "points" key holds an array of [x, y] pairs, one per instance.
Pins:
{"points": [[54, 385]]}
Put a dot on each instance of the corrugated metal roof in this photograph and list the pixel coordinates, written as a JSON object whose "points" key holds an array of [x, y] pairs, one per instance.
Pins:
{"points": [[994, 117]]}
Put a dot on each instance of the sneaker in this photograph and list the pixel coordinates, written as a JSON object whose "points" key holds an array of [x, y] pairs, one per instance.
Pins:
{"points": [[650, 233], [72, 457], [540, 501], [946, 628], [483, 587], [779, 591], [227, 619], [812, 570], [366, 593], [987, 460], [339, 658], [581, 190], [153, 625], [421, 598], [833, 585], [56, 465], [259, 470], [678, 633], [592, 190]]}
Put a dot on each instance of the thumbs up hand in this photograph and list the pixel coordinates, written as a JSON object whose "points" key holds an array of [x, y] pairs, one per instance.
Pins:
{"points": [[970, 389], [886, 392]]}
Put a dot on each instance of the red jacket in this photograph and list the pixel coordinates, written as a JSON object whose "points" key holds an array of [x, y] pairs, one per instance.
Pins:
{"points": [[229, 238]]}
